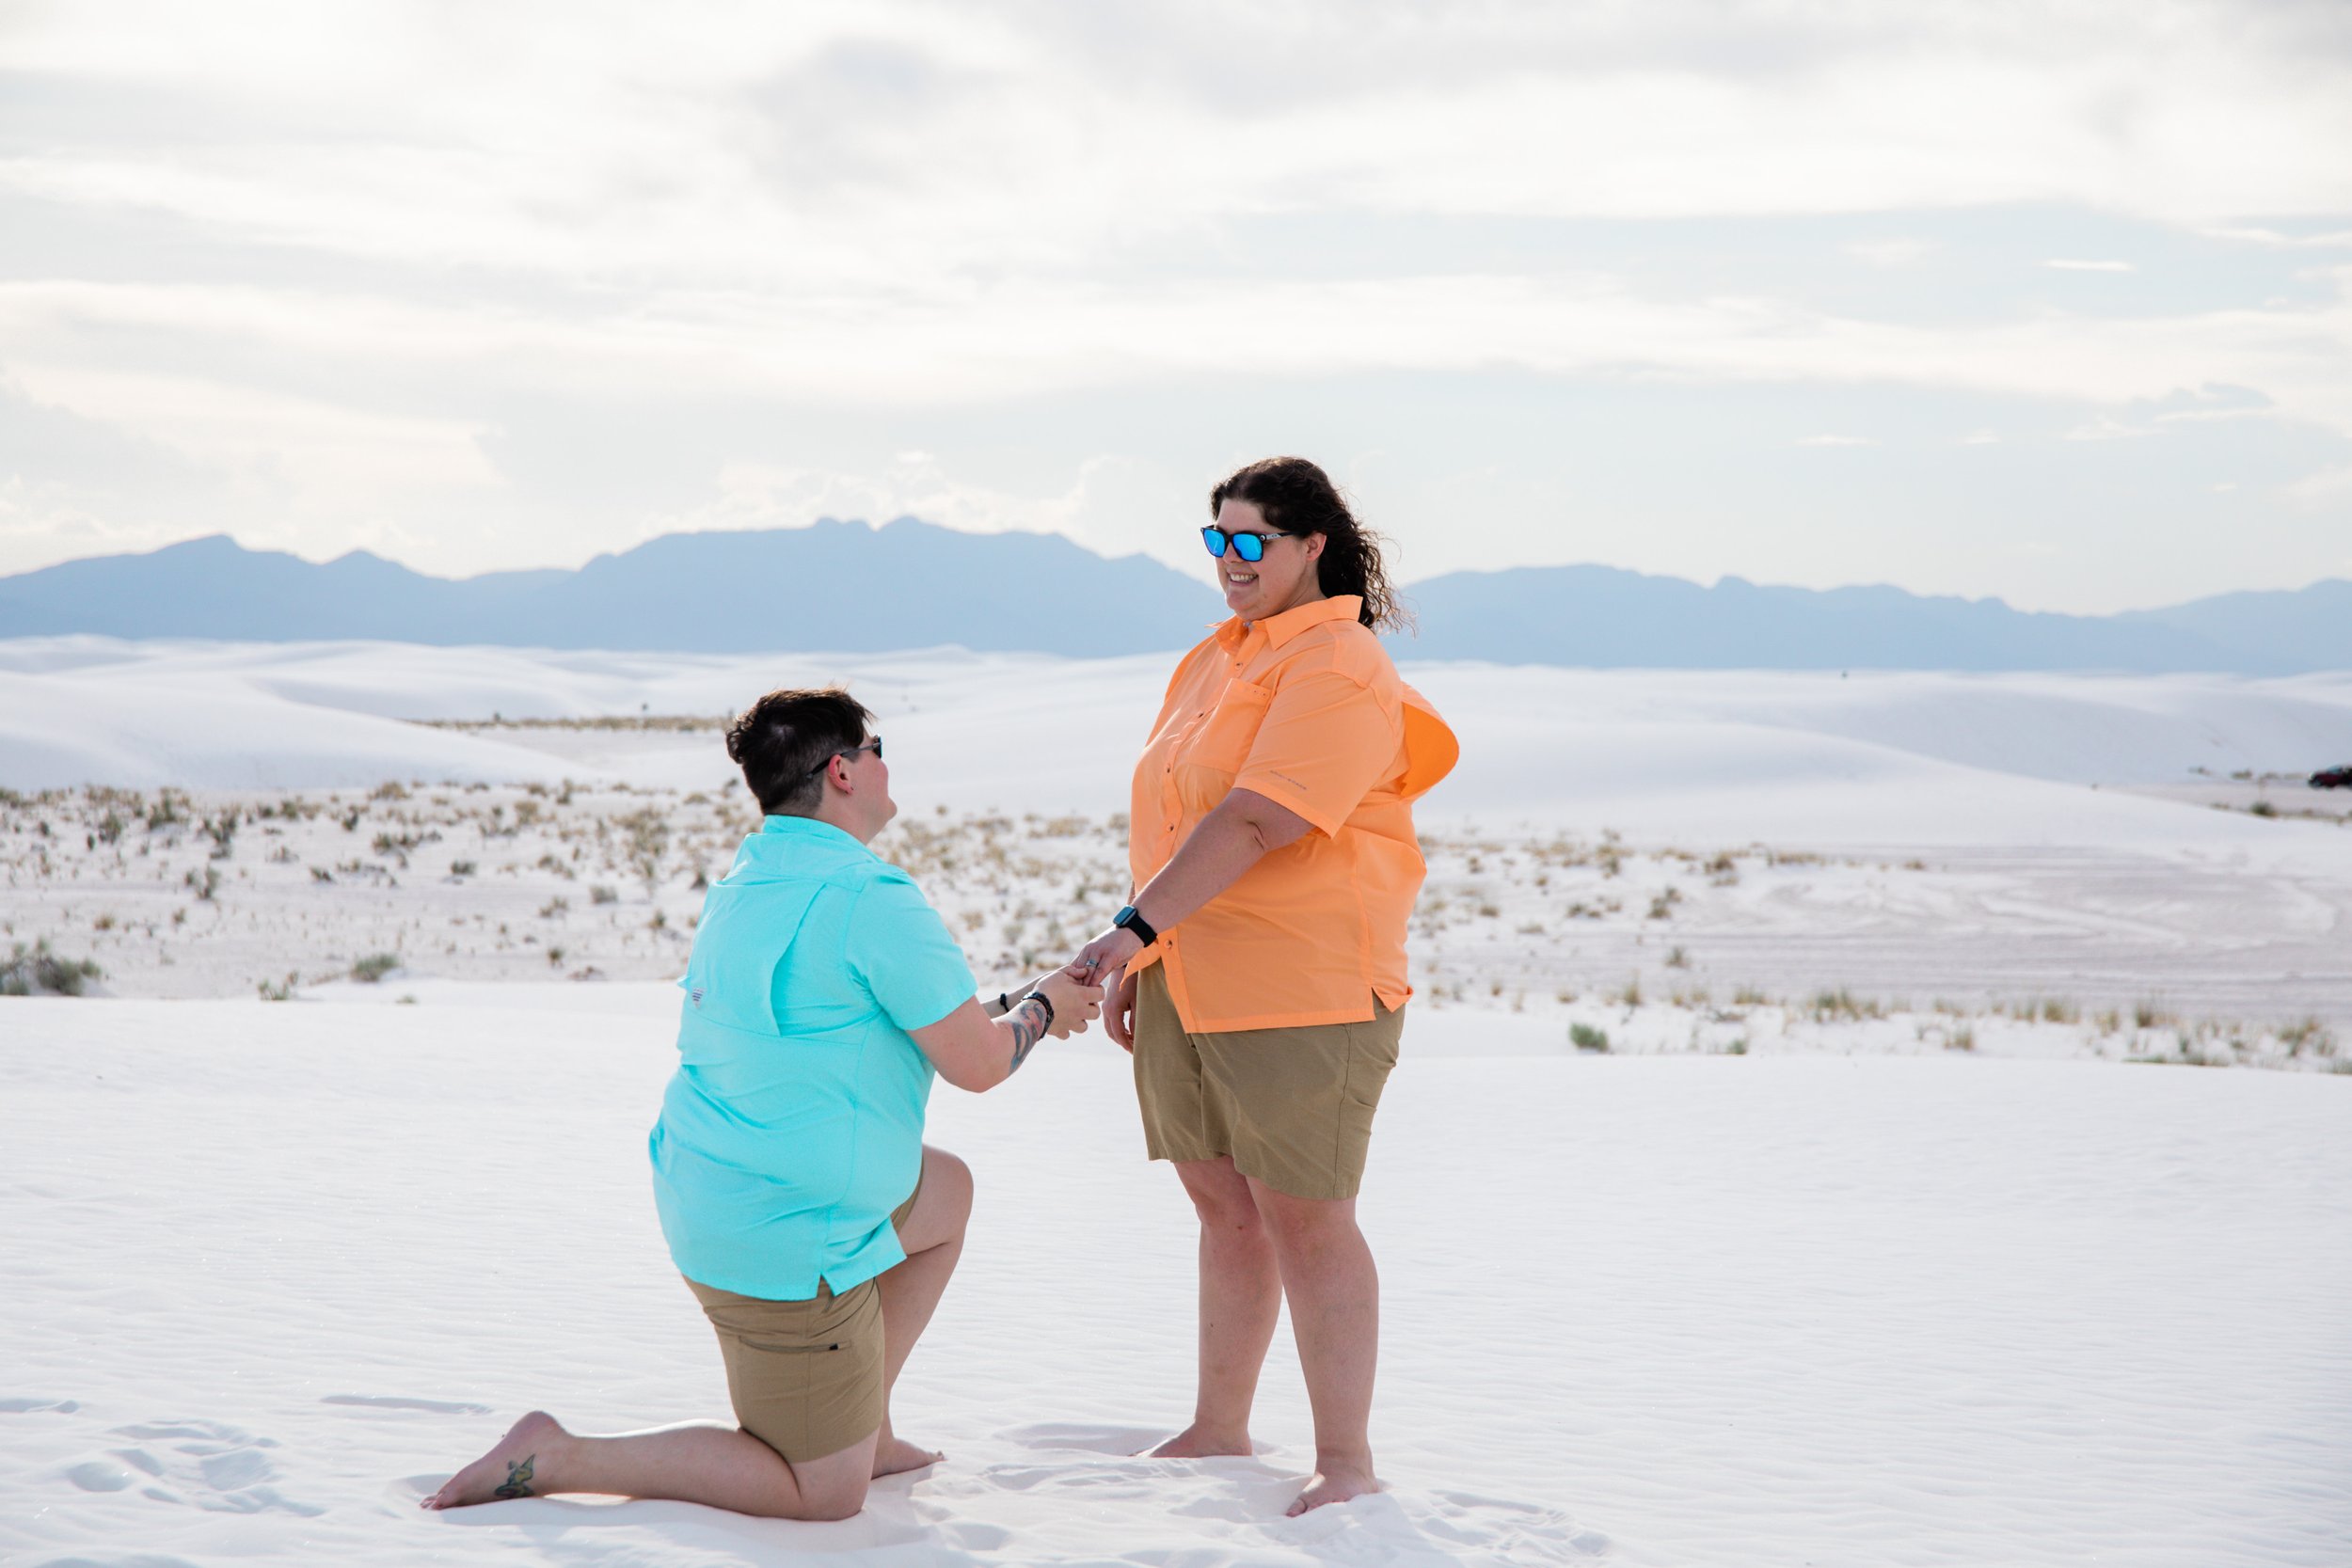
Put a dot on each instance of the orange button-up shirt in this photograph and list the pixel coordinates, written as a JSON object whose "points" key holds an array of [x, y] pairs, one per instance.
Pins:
{"points": [[1306, 709]]}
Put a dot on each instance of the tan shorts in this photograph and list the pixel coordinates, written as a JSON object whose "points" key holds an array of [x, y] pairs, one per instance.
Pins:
{"points": [[806, 1376], [1292, 1106]]}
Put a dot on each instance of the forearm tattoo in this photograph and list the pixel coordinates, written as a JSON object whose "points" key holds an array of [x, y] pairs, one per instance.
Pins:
{"points": [[1028, 1023], [518, 1482]]}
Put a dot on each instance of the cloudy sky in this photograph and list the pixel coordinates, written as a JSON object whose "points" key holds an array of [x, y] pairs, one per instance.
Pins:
{"points": [[2046, 301]]}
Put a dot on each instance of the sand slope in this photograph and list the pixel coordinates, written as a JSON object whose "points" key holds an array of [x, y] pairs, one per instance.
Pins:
{"points": [[274, 1270], [1916, 759]]}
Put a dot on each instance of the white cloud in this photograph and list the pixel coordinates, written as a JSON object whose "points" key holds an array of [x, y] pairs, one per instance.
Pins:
{"points": [[2330, 488], [1890, 253], [385, 225]]}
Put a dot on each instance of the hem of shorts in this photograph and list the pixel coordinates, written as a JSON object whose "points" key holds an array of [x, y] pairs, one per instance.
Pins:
{"points": [[1353, 1187], [1153, 1150], [1161, 1152]]}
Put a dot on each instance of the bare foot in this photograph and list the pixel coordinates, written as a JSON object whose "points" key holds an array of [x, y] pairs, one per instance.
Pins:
{"points": [[1334, 1484], [894, 1454], [1194, 1443], [512, 1470]]}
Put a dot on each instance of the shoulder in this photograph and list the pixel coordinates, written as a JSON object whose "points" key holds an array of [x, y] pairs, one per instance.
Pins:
{"points": [[880, 883], [1195, 657], [1348, 649]]}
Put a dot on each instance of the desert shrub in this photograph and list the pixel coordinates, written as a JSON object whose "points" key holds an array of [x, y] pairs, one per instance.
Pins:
{"points": [[1678, 958], [1841, 1004], [2263, 808], [602, 895], [34, 971], [463, 868], [273, 991], [2308, 1035], [372, 967], [1585, 1037]]}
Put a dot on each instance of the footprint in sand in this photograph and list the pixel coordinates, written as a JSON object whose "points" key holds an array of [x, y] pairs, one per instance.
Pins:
{"points": [[206, 1465], [15, 1404], [396, 1401], [1173, 1513], [1088, 1437]]}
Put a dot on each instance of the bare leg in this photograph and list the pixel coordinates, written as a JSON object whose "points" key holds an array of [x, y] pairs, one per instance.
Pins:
{"points": [[933, 1241], [1334, 1290], [721, 1466], [1241, 1296]]}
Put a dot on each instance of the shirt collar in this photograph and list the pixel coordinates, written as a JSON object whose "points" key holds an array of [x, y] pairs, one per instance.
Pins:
{"points": [[809, 828], [1280, 629]]}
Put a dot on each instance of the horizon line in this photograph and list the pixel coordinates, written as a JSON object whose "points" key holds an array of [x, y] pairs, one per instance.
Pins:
{"points": [[870, 526]]}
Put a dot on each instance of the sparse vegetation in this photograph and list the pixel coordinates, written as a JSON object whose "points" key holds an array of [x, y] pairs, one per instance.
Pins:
{"points": [[36, 970], [372, 969], [1585, 1037]]}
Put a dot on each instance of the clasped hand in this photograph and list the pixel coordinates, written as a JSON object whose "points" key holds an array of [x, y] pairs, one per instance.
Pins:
{"points": [[1075, 1001], [1102, 963]]}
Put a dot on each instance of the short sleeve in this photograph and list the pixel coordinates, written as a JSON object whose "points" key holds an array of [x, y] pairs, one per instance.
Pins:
{"points": [[899, 947], [1327, 741]]}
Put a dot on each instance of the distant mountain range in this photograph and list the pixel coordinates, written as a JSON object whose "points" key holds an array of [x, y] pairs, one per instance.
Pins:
{"points": [[843, 586]]}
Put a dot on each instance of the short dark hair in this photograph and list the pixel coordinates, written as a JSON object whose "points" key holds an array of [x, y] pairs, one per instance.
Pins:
{"points": [[784, 740]]}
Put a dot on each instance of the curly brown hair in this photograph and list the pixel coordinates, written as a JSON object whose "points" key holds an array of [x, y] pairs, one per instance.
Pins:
{"points": [[1297, 496]]}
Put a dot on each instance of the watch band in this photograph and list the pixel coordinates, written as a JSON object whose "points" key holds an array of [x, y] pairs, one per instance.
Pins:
{"points": [[1129, 919]]}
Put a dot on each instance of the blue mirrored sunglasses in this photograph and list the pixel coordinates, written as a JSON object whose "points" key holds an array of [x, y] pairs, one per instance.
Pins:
{"points": [[1249, 546]]}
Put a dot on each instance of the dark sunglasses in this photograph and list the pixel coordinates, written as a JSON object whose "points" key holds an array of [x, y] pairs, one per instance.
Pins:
{"points": [[874, 746], [1249, 546]]}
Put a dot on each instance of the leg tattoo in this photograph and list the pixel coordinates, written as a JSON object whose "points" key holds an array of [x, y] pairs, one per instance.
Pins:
{"points": [[518, 1482]]}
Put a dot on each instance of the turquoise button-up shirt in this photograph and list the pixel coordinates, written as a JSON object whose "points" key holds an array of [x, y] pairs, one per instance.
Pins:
{"points": [[794, 1124]]}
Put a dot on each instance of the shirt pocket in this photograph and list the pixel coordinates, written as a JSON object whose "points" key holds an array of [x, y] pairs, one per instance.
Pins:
{"points": [[1208, 761]]}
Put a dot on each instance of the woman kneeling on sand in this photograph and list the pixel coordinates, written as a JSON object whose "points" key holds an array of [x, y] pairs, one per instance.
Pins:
{"points": [[794, 1188]]}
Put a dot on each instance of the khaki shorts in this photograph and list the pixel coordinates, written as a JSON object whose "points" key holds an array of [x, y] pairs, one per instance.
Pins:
{"points": [[1292, 1106], [806, 1376]]}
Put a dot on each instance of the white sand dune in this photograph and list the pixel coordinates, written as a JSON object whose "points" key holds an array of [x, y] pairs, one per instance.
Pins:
{"points": [[1893, 759], [271, 1270], [274, 1270]]}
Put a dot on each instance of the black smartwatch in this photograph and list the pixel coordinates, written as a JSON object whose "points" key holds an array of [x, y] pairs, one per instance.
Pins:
{"points": [[1128, 920]]}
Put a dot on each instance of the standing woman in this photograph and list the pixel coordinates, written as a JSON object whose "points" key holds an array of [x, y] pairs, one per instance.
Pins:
{"points": [[1258, 973]]}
